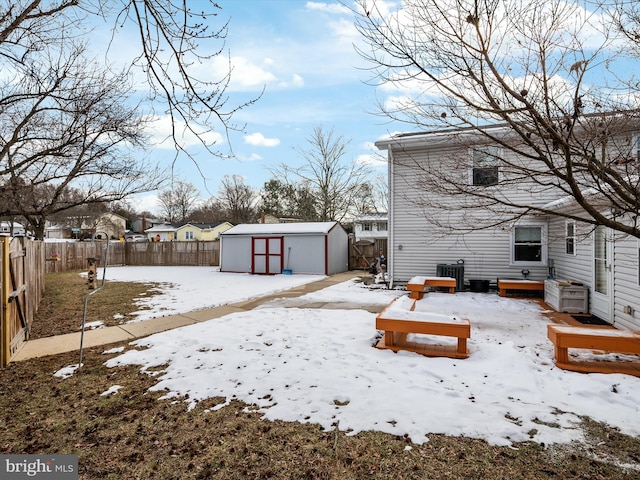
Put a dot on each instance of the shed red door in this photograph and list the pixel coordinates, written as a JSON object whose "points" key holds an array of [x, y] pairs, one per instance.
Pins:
{"points": [[266, 255]]}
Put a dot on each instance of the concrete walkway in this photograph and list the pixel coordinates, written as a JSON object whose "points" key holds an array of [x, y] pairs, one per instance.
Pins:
{"points": [[103, 336]]}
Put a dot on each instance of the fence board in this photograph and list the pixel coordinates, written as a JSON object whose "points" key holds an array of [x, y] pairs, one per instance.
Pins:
{"points": [[22, 279], [363, 254], [62, 256]]}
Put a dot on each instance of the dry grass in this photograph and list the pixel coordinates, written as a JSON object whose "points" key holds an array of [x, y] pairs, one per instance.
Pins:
{"points": [[61, 309], [132, 434]]}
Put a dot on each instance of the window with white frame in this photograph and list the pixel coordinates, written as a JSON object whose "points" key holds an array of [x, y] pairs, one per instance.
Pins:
{"points": [[382, 226], [570, 238], [366, 227], [528, 244], [485, 163], [188, 235]]}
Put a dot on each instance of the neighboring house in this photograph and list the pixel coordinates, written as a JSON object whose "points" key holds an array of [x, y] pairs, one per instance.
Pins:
{"points": [[141, 224], [535, 247], [201, 231], [269, 218], [371, 226], [111, 224], [12, 229], [306, 247], [165, 232]]}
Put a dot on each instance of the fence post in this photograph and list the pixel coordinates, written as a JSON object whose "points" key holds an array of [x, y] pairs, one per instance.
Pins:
{"points": [[5, 340]]}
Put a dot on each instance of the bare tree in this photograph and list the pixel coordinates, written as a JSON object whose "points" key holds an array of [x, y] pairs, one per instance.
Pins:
{"points": [[65, 122], [178, 201], [545, 71], [209, 211], [174, 37], [239, 199], [331, 180]]}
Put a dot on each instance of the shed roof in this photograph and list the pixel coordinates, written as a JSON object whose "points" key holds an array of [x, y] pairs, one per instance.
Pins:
{"points": [[280, 228]]}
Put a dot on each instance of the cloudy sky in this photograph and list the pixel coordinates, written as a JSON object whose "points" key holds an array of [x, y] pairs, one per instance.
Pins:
{"points": [[302, 54]]}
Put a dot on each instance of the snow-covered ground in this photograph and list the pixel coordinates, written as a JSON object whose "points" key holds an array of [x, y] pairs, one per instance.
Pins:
{"points": [[318, 365]]}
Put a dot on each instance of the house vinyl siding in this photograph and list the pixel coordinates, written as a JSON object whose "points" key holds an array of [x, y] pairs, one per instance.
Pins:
{"points": [[417, 246], [626, 289], [567, 266], [579, 267], [420, 212]]}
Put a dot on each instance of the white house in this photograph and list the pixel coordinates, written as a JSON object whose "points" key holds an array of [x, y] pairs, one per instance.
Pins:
{"points": [[371, 226], [164, 232], [534, 247], [306, 247], [12, 229]]}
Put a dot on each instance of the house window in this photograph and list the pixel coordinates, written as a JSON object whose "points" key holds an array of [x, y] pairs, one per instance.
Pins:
{"points": [[188, 235], [382, 226], [485, 166], [366, 227], [570, 238], [528, 244]]}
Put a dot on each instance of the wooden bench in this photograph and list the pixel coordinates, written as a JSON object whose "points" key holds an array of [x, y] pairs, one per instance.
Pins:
{"points": [[529, 285], [605, 340], [398, 323], [417, 285]]}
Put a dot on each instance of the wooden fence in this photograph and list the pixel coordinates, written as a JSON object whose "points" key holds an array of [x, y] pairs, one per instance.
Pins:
{"points": [[62, 256], [363, 253], [22, 285]]}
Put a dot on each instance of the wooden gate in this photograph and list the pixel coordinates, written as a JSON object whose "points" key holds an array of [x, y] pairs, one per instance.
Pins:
{"points": [[365, 252], [267, 255], [21, 286]]}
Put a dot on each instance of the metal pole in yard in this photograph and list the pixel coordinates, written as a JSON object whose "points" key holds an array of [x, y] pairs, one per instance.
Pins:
{"points": [[86, 298]]}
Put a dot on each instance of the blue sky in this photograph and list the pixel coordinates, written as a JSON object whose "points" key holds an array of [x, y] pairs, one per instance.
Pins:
{"points": [[302, 53]]}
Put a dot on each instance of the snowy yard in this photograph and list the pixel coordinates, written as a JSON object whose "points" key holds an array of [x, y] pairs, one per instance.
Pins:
{"points": [[318, 365]]}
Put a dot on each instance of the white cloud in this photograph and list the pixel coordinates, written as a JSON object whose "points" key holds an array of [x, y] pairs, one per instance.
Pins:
{"points": [[254, 157], [296, 82], [244, 74], [161, 132], [375, 159], [147, 202], [259, 140], [329, 7]]}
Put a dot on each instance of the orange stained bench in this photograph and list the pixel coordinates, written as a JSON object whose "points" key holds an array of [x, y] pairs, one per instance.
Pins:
{"points": [[398, 324], [417, 285], [529, 285], [604, 340]]}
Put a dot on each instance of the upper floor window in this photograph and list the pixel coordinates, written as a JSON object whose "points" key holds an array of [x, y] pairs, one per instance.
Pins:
{"points": [[528, 244], [366, 227], [382, 226], [485, 165], [570, 238]]}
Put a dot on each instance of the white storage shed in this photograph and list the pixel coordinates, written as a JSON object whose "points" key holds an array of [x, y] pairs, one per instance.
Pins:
{"points": [[306, 247]]}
